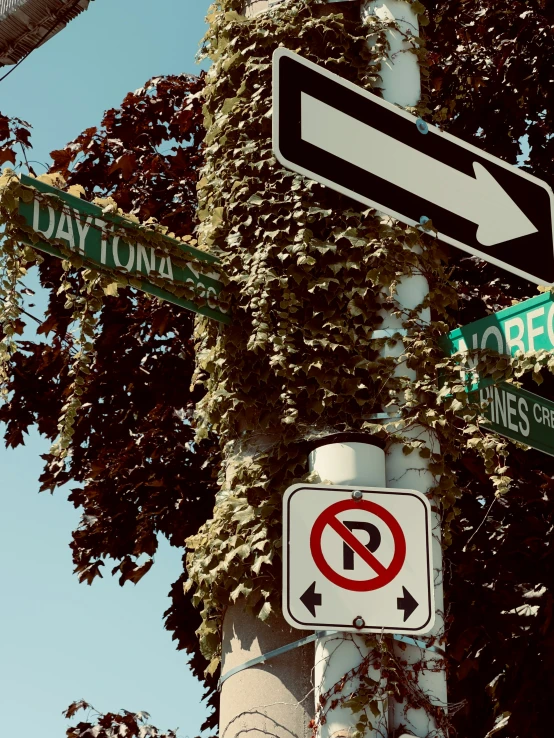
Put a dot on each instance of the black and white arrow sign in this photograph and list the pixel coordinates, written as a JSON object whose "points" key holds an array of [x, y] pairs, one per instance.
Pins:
{"points": [[362, 146]]}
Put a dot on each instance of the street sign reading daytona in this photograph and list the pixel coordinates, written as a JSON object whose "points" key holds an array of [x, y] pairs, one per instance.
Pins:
{"points": [[354, 142], [190, 280], [357, 565]]}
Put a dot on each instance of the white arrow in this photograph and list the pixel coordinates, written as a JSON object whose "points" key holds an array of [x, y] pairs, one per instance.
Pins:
{"points": [[479, 199]]}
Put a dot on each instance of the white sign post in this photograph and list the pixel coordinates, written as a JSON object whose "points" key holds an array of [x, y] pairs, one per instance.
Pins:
{"points": [[357, 559]]}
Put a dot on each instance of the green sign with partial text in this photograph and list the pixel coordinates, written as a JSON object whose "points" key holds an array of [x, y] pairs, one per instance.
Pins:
{"points": [[173, 271], [527, 326], [519, 415], [512, 412]]}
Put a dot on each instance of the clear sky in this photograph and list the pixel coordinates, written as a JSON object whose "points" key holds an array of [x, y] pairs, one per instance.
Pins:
{"points": [[59, 640]]}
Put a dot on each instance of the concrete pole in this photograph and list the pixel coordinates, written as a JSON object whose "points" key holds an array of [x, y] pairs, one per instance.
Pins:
{"points": [[244, 703], [402, 86], [275, 698], [272, 699], [348, 463], [253, 7]]}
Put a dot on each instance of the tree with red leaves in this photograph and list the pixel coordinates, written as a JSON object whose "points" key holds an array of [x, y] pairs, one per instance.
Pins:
{"points": [[122, 723], [136, 469]]}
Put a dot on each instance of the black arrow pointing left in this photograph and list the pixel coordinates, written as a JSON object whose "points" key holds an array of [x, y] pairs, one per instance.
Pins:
{"points": [[311, 599], [407, 603]]}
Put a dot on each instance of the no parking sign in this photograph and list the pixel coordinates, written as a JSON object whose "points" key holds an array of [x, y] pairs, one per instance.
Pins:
{"points": [[357, 559]]}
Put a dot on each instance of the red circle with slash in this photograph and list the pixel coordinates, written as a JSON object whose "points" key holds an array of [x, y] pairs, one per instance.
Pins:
{"points": [[385, 574]]}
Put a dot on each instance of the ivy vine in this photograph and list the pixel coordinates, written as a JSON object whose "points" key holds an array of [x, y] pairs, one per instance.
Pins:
{"points": [[309, 275], [96, 282]]}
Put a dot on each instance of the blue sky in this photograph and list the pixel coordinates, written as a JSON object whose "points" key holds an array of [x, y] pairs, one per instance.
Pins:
{"points": [[61, 641]]}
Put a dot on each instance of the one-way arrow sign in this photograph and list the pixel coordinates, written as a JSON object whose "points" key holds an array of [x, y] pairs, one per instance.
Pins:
{"points": [[356, 143]]}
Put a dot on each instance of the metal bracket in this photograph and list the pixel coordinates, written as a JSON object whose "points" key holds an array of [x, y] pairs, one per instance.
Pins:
{"points": [[310, 639], [274, 3], [389, 332], [419, 644], [383, 416], [271, 654]]}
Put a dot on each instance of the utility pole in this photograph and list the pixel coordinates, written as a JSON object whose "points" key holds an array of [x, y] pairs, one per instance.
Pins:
{"points": [[271, 698], [274, 696], [401, 83]]}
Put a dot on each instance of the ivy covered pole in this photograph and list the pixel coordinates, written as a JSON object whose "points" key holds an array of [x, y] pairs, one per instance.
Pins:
{"points": [[274, 697], [401, 85], [308, 274]]}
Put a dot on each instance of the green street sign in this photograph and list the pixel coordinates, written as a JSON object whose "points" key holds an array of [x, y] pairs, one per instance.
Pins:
{"points": [[169, 269], [527, 326], [512, 412], [519, 415]]}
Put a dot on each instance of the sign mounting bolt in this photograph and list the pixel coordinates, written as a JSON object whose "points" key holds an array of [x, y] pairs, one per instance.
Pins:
{"points": [[422, 126], [359, 622], [357, 494]]}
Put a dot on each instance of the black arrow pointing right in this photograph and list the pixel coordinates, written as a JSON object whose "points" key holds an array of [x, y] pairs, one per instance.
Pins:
{"points": [[407, 603], [310, 599], [475, 201]]}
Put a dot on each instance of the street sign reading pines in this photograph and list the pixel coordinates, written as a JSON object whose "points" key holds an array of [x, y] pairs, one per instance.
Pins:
{"points": [[512, 412], [519, 415], [86, 230], [358, 565], [333, 131]]}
